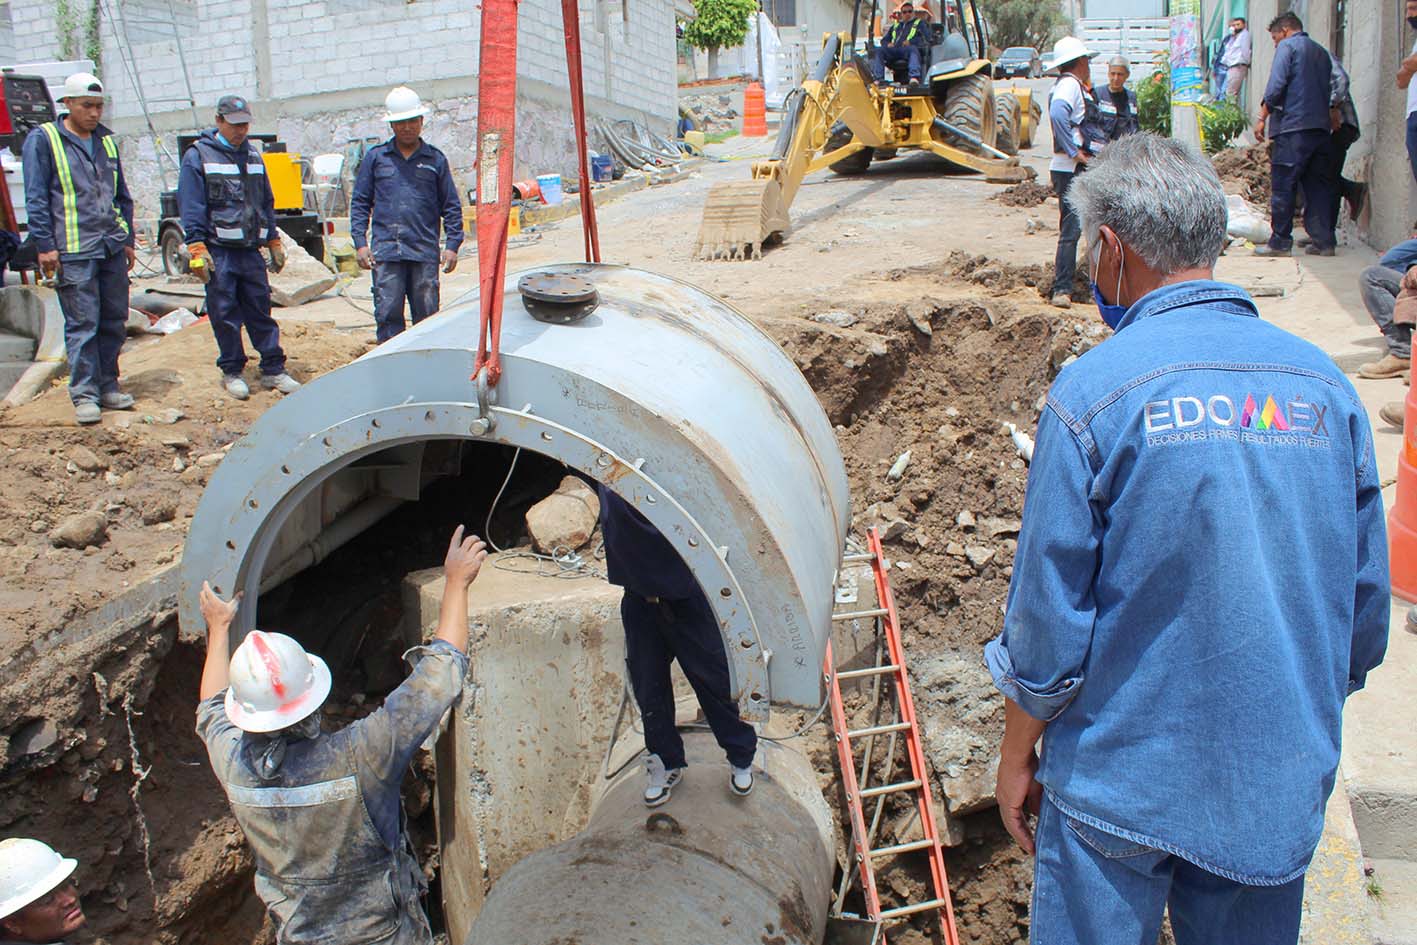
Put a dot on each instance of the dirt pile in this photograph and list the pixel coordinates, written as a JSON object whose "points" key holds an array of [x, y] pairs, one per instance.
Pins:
{"points": [[97, 749], [1245, 171], [949, 354], [1027, 194]]}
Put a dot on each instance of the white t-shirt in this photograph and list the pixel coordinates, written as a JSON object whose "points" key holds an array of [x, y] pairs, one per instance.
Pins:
{"points": [[1069, 91], [1412, 90]]}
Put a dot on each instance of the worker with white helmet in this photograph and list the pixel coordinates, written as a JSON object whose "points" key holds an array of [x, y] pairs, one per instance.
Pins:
{"points": [[39, 901], [322, 812], [1071, 105], [403, 190], [81, 223]]}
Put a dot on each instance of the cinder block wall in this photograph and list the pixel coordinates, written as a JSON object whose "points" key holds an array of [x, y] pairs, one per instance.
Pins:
{"points": [[317, 72]]}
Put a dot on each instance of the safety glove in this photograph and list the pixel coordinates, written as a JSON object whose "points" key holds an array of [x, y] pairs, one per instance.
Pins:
{"points": [[277, 252], [199, 262]]}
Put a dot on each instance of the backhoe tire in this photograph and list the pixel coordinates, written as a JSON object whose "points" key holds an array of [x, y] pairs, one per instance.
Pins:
{"points": [[856, 163], [969, 106], [1026, 139], [1006, 118]]}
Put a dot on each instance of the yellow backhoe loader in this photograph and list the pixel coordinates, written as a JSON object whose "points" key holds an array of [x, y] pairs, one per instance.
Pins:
{"points": [[842, 117]]}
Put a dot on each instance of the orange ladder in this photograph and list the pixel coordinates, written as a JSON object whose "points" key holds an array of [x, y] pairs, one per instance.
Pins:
{"points": [[856, 773]]}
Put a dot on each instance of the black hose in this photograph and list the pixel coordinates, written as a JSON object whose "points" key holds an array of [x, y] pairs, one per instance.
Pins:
{"points": [[791, 114]]}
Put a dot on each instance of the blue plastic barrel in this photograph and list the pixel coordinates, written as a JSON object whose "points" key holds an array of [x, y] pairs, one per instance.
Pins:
{"points": [[602, 168]]}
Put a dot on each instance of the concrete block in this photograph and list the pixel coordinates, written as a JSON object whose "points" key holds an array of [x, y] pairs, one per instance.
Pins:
{"points": [[10, 373], [545, 675]]}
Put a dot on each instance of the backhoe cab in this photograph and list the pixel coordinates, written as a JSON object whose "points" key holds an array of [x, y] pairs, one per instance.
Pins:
{"points": [[843, 118]]}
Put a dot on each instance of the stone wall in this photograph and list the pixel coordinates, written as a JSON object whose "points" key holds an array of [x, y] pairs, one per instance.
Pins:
{"points": [[317, 71]]}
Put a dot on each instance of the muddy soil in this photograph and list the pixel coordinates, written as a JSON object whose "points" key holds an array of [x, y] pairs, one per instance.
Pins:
{"points": [[1027, 194], [1245, 171]]}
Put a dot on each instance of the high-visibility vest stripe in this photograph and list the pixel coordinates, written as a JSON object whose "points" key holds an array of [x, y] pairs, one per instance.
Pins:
{"points": [[66, 184], [66, 187]]}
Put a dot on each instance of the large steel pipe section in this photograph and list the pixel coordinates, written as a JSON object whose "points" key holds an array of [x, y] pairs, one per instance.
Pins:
{"points": [[662, 392], [707, 868]]}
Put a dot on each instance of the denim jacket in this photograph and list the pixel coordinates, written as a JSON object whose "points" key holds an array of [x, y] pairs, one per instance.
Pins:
{"points": [[398, 203], [1201, 580]]}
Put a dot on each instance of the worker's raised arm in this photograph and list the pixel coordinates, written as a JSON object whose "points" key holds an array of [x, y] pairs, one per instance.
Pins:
{"points": [[460, 567], [218, 614]]}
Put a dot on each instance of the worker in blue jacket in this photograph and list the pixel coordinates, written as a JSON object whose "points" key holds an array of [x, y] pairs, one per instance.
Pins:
{"points": [[1296, 107], [81, 221], [228, 214], [667, 617], [1187, 687], [903, 44], [405, 187]]}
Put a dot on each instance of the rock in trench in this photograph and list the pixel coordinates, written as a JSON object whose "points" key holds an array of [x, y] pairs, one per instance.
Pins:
{"points": [[564, 519], [83, 530]]}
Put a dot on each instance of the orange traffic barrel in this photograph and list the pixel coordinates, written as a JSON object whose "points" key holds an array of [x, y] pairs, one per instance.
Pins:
{"points": [[1402, 517], [755, 113]]}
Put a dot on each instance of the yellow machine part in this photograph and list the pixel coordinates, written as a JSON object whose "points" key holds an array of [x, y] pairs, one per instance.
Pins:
{"points": [[1027, 118], [283, 171]]}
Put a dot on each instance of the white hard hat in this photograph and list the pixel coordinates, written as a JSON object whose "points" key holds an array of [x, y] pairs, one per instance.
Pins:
{"points": [[274, 683], [402, 104], [29, 871], [82, 85], [1067, 49]]}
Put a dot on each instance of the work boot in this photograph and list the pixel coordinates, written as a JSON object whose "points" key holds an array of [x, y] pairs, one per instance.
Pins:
{"points": [[1313, 250], [116, 400], [661, 781], [1393, 413], [1264, 249], [87, 412], [235, 386], [740, 782], [282, 382], [1388, 365], [1062, 300]]}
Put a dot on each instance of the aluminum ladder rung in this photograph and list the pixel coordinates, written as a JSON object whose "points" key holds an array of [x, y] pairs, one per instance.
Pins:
{"points": [[878, 730], [872, 671], [860, 614], [900, 848], [912, 909], [890, 788]]}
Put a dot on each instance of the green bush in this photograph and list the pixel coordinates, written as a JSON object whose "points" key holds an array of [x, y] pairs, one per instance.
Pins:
{"points": [[1220, 121]]}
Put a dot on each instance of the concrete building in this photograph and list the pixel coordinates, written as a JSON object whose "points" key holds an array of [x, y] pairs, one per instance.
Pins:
{"points": [[317, 71], [1371, 38]]}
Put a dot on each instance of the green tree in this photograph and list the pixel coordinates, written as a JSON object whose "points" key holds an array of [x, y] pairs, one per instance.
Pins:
{"points": [[1036, 23], [721, 24]]}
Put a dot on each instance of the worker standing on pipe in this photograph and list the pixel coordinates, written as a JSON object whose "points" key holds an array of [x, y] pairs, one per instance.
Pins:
{"points": [[666, 617], [405, 186], [1188, 687], [228, 214], [81, 221], [322, 811], [39, 900]]}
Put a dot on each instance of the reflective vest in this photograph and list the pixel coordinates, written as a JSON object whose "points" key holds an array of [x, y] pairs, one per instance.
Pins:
{"points": [[237, 194], [71, 242]]}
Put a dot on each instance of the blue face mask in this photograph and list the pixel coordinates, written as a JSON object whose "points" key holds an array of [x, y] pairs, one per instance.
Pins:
{"points": [[1111, 314]]}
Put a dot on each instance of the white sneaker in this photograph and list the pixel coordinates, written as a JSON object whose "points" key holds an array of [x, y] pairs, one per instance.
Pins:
{"points": [[115, 400], [282, 382], [740, 782], [661, 781], [86, 412], [235, 386]]}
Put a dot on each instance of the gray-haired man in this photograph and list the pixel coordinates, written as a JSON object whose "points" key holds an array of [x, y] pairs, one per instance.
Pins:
{"points": [[1191, 689]]}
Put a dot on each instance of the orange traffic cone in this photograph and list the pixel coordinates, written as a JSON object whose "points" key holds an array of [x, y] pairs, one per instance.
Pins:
{"points": [[755, 113], [1402, 517]]}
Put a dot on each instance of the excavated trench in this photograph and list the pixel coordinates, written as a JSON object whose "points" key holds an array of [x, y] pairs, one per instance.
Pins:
{"points": [[950, 522]]}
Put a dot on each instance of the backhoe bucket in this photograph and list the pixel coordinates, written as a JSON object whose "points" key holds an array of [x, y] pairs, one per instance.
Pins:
{"points": [[739, 217]]}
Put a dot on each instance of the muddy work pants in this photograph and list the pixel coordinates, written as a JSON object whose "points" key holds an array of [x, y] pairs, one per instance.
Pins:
{"points": [[239, 295], [659, 631], [399, 280]]}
